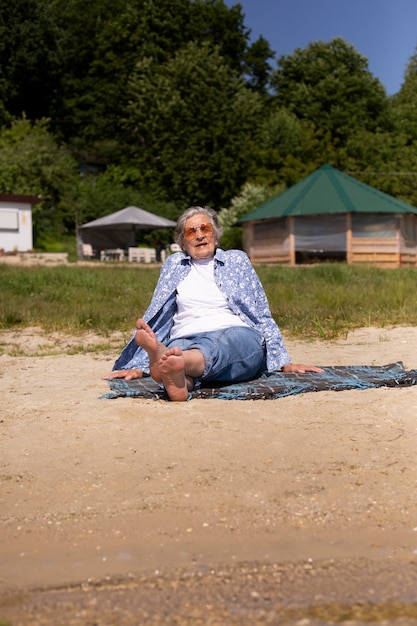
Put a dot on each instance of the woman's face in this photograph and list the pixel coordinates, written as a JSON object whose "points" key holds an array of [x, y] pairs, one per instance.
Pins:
{"points": [[198, 238]]}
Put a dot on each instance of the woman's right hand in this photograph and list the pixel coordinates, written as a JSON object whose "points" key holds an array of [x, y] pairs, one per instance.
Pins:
{"points": [[126, 374]]}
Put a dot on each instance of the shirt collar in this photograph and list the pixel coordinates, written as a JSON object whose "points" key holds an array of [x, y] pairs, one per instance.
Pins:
{"points": [[219, 255]]}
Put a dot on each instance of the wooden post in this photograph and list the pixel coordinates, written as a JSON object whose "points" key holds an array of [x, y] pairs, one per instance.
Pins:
{"points": [[292, 240], [349, 254], [398, 225]]}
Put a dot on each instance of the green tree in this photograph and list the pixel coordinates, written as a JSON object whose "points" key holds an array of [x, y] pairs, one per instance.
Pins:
{"points": [[29, 60], [101, 44], [258, 68], [386, 161], [287, 148], [404, 104], [31, 162], [191, 123], [171, 24], [329, 85], [99, 49]]}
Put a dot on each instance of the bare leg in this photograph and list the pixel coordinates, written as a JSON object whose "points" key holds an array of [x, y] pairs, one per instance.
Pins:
{"points": [[146, 339], [172, 370]]}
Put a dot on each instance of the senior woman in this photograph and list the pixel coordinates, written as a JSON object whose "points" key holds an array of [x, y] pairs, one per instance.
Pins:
{"points": [[208, 320]]}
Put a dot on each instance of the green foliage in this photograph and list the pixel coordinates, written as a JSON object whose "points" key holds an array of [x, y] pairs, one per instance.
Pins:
{"points": [[386, 161], [30, 61], [249, 198], [103, 41], [257, 65], [287, 148], [32, 162], [99, 42], [330, 85], [404, 104], [191, 124], [116, 189], [66, 244]]}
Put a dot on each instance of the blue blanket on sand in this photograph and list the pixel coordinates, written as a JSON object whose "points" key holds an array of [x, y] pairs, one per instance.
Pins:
{"points": [[279, 384]]}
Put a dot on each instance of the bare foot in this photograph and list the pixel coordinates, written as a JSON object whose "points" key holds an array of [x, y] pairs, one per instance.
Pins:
{"points": [[146, 339], [171, 369]]}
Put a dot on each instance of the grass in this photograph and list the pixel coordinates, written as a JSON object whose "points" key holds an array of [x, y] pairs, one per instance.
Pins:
{"points": [[329, 300], [72, 299], [324, 301]]}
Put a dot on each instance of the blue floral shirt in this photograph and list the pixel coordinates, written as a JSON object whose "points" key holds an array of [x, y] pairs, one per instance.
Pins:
{"points": [[239, 283]]}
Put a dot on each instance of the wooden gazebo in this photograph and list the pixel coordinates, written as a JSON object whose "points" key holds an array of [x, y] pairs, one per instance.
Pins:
{"points": [[330, 215]]}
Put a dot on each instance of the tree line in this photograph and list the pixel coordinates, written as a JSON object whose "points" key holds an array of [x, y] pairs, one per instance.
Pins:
{"points": [[167, 103]]}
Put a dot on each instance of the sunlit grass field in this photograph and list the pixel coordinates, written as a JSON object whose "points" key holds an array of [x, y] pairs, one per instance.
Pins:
{"points": [[323, 301]]}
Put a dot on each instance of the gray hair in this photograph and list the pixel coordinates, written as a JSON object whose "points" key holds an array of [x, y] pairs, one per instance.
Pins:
{"points": [[197, 210]]}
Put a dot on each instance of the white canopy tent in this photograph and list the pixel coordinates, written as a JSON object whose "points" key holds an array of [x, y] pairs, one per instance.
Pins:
{"points": [[118, 230]]}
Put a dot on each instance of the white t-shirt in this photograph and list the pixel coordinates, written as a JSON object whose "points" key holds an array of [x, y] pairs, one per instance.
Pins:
{"points": [[201, 306]]}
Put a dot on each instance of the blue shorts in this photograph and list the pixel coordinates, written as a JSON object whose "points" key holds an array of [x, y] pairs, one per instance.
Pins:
{"points": [[232, 354]]}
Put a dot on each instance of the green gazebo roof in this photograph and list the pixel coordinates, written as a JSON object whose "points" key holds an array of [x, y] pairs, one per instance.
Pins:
{"points": [[328, 191]]}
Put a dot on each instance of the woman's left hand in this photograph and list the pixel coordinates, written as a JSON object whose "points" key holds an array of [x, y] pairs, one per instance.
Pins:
{"points": [[126, 374]]}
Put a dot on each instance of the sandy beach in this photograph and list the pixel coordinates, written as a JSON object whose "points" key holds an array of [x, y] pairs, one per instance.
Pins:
{"points": [[133, 511]]}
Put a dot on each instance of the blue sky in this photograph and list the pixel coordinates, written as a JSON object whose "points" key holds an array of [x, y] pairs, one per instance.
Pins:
{"points": [[383, 31]]}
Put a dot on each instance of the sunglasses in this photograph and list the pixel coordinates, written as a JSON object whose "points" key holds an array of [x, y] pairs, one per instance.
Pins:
{"points": [[205, 229]]}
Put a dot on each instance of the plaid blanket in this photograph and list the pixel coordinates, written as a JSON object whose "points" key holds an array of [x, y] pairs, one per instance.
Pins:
{"points": [[278, 384]]}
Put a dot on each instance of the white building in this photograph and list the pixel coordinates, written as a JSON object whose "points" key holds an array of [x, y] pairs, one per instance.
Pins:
{"points": [[16, 233]]}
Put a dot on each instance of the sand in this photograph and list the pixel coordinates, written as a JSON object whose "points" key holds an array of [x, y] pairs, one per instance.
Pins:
{"points": [[116, 511]]}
